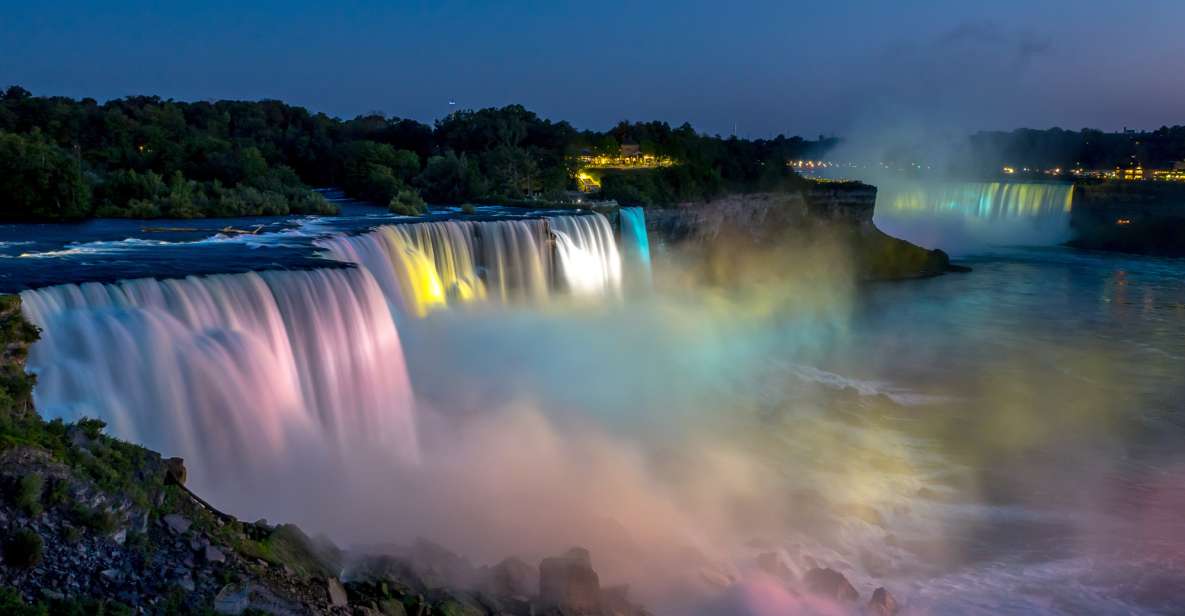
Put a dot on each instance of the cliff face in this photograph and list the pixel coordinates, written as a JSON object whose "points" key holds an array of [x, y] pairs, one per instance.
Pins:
{"points": [[1136, 217], [779, 224]]}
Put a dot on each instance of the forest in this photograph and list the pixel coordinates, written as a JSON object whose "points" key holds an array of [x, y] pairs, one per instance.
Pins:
{"points": [[64, 159]]}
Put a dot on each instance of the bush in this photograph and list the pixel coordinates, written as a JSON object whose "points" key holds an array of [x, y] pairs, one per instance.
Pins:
{"points": [[23, 549], [101, 521], [407, 202], [28, 495], [11, 604]]}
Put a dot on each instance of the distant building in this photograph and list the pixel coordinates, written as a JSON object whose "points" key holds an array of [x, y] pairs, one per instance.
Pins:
{"points": [[630, 150], [1179, 165]]}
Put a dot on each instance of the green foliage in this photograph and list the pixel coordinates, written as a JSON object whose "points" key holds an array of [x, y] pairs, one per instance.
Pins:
{"points": [[669, 185], [100, 521], [40, 180], [374, 171], [450, 179], [11, 604], [22, 548], [145, 157], [72, 534], [407, 202], [28, 495]]}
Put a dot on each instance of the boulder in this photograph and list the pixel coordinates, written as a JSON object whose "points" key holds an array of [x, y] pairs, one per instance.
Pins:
{"points": [[177, 524], [829, 583], [882, 603], [232, 600], [175, 472], [336, 592], [569, 584], [511, 578], [214, 555]]}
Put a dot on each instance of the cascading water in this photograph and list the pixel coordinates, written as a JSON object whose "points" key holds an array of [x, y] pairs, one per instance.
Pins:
{"points": [[589, 260], [423, 266], [635, 243], [229, 371], [963, 216]]}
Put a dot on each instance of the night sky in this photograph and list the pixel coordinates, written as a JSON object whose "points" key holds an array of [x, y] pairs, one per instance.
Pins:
{"points": [[834, 67]]}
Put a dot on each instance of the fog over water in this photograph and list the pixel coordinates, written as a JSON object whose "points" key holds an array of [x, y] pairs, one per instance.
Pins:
{"points": [[999, 441]]}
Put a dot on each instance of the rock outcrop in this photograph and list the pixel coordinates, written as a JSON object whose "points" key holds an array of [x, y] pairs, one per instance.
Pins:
{"points": [[568, 584], [780, 228], [881, 604], [830, 584]]}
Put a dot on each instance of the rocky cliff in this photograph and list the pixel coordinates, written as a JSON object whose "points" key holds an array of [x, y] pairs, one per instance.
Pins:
{"points": [[779, 225]]}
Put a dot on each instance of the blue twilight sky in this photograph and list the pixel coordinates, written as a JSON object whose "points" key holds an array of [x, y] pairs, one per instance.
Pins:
{"points": [[829, 66]]}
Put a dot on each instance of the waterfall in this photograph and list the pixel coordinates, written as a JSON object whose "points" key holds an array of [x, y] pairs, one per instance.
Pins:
{"points": [[243, 373], [232, 372], [635, 243], [588, 255], [961, 216], [430, 265]]}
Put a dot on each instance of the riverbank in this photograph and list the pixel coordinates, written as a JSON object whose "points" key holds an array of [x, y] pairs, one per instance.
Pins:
{"points": [[1135, 217]]}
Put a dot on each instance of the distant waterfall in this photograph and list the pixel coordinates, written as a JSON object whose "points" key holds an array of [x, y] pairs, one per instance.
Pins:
{"points": [[429, 265], [961, 216], [228, 371], [635, 243]]}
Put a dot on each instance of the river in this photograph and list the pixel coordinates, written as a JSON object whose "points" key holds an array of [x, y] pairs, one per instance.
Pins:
{"points": [[1000, 441]]}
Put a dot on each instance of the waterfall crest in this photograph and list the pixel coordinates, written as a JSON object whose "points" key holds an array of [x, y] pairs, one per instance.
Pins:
{"points": [[425, 266]]}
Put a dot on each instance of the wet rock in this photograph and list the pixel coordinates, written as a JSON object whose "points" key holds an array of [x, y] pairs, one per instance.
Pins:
{"points": [[236, 599], [511, 578], [829, 583], [336, 592], [882, 603], [175, 472], [214, 555], [391, 607], [569, 584], [615, 601], [177, 524]]}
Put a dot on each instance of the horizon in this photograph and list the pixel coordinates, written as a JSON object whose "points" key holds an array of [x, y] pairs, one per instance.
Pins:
{"points": [[765, 68], [431, 122]]}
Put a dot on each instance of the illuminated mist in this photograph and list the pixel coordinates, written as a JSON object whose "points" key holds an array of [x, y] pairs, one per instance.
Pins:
{"points": [[462, 386]]}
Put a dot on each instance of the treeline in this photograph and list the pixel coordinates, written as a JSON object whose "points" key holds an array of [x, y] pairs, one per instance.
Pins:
{"points": [[1088, 148], [145, 157]]}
